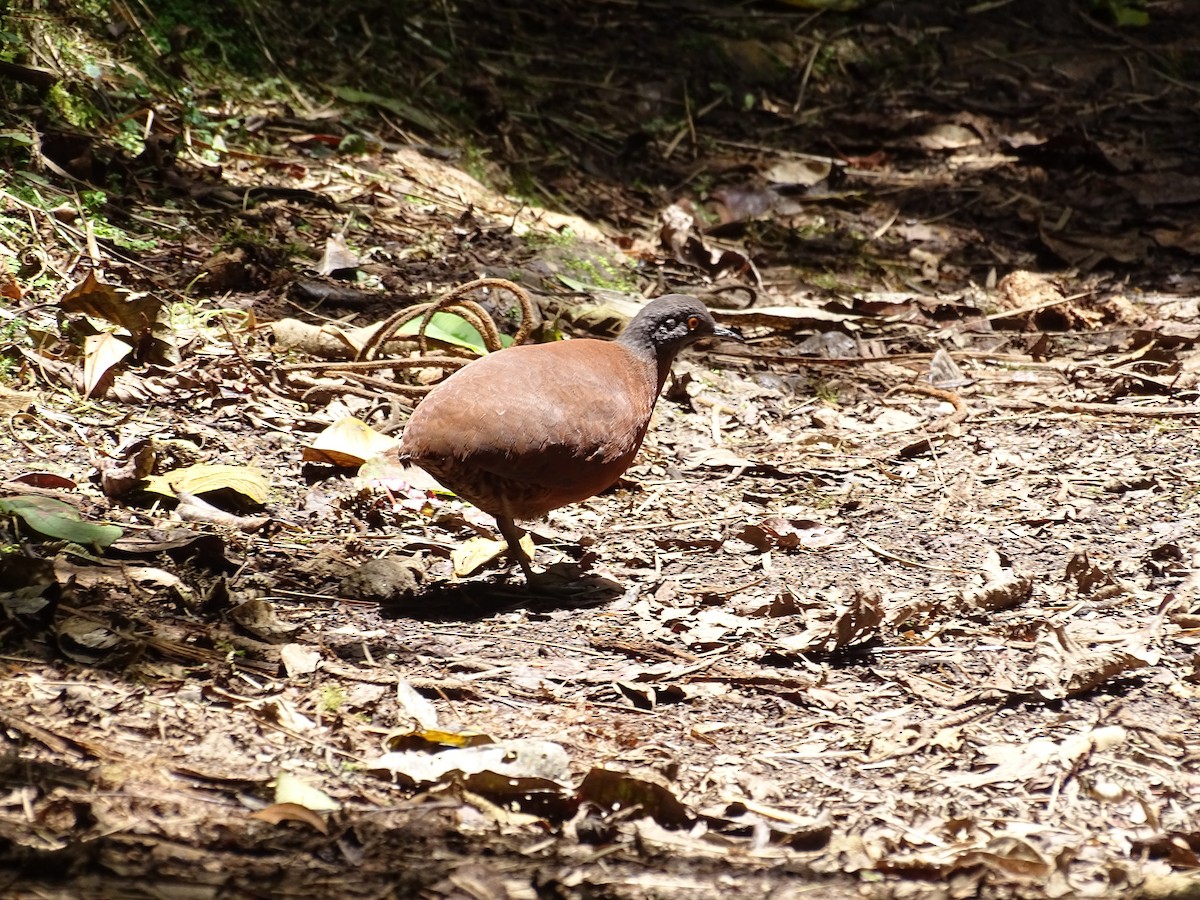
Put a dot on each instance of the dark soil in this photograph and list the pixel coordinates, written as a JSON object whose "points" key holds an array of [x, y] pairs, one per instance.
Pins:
{"points": [[898, 600]]}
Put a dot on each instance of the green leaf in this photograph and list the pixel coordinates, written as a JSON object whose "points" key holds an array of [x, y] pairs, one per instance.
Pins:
{"points": [[60, 520], [451, 329], [1135, 18], [576, 285], [391, 104]]}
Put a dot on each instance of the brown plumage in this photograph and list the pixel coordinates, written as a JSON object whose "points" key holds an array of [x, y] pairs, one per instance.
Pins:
{"points": [[529, 429]]}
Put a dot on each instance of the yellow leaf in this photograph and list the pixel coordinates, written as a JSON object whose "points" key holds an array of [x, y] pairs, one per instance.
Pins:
{"points": [[348, 442], [292, 790], [248, 481], [475, 553], [433, 739]]}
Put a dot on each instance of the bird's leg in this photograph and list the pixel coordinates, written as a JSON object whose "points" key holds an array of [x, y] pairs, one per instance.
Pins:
{"points": [[512, 534]]}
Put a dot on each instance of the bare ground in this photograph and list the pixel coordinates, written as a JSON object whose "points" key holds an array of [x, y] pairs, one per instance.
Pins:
{"points": [[899, 600]]}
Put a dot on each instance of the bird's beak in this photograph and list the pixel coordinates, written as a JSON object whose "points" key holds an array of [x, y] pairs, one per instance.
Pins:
{"points": [[731, 333]]}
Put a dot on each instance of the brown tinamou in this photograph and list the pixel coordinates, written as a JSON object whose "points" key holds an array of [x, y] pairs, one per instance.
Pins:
{"points": [[531, 428]]}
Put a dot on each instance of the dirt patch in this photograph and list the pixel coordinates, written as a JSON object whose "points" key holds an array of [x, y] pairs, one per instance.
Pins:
{"points": [[899, 598]]}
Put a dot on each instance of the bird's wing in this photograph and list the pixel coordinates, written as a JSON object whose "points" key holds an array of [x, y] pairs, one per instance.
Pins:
{"points": [[546, 414]]}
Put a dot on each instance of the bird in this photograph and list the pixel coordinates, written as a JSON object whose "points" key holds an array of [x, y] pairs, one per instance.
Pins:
{"points": [[534, 427]]}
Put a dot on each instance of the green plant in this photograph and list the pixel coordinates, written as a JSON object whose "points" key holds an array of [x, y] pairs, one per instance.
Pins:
{"points": [[332, 698], [1122, 13], [475, 164], [540, 240], [598, 272], [826, 392]]}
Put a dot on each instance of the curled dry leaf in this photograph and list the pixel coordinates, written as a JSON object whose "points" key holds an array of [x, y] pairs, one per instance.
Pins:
{"points": [[1076, 748], [192, 509], [783, 826], [30, 590], [248, 482], [474, 553], [259, 618], [180, 543], [86, 641], [10, 288], [118, 478], [853, 620], [338, 258], [104, 302], [417, 707], [101, 352], [540, 763], [1087, 577], [1062, 668], [280, 712], [293, 790], [433, 740], [620, 791], [678, 236], [299, 659], [1002, 589], [1007, 762], [807, 171], [777, 532]]}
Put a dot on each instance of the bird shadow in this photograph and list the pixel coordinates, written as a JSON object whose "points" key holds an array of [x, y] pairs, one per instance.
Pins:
{"points": [[466, 601]]}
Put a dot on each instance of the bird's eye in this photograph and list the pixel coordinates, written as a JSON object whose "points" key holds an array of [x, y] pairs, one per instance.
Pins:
{"points": [[693, 323]]}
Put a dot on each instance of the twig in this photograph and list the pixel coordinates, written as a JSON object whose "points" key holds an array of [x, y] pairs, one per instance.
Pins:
{"points": [[678, 523], [961, 412], [1113, 409], [808, 67], [454, 300], [905, 561]]}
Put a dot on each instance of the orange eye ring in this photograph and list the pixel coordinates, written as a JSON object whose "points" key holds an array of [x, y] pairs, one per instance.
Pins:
{"points": [[693, 323]]}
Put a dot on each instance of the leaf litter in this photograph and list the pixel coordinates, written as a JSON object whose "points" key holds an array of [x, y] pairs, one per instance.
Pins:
{"points": [[903, 606]]}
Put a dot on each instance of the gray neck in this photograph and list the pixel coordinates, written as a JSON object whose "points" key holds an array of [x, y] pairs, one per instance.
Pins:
{"points": [[639, 339]]}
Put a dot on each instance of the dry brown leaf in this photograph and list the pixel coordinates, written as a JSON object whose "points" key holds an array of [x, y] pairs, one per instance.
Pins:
{"points": [[337, 257], [1061, 668], [473, 554], [291, 812], [1003, 588], [248, 481], [121, 477], [854, 619], [88, 641], [192, 509], [536, 761], [299, 659], [100, 353], [10, 289], [776, 532], [948, 136], [621, 791], [259, 618], [13, 402], [1087, 577], [802, 171], [678, 236]]}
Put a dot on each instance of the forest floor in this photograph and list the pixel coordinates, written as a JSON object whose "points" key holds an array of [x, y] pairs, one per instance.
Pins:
{"points": [[899, 599]]}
